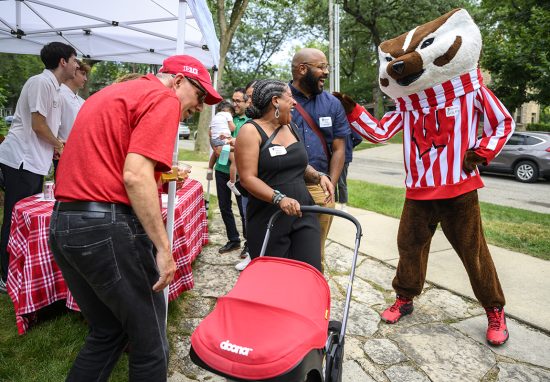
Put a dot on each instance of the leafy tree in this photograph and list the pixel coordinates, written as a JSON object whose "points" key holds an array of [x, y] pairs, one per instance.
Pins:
{"points": [[105, 73], [516, 49], [246, 48], [227, 26], [267, 28], [14, 72]]}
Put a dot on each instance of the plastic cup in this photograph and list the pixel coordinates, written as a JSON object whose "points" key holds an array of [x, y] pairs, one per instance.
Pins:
{"points": [[183, 170], [182, 166]]}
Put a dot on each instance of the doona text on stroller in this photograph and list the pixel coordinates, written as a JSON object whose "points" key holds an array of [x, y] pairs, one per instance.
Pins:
{"points": [[274, 326]]}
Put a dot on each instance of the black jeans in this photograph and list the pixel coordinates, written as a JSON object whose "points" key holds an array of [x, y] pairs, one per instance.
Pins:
{"points": [[19, 184], [224, 202], [108, 263]]}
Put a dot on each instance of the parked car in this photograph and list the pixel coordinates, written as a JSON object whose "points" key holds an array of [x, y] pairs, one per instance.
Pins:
{"points": [[8, 119], [526, 155], [183, 131]]}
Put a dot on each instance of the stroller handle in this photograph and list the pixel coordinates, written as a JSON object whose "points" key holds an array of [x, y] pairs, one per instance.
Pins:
{"points": [[359, 233], [319, 210]]}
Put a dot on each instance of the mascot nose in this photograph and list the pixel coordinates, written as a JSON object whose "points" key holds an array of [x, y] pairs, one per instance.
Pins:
{"points": [[398, 67]]}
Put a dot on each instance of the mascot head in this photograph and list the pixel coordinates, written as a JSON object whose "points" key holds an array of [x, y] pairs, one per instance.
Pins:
{"points": [[429, 54]]}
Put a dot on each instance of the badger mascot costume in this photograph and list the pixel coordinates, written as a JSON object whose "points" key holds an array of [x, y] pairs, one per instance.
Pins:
{"points": [[432, 75]]}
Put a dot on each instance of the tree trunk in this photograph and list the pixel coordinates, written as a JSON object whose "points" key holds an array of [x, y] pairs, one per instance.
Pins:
{"points": [[223, 53], [202, 143]]}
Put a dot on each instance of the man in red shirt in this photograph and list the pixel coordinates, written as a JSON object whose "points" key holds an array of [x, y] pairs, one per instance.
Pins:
{"points": [[106, 232]]}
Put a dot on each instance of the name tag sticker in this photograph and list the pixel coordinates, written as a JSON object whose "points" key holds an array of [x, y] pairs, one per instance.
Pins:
{"points": [[452, 111], [277, 150], [325, 121]]}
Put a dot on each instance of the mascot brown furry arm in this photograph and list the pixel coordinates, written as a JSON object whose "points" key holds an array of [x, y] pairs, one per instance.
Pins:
{"points": [[431, 72]]}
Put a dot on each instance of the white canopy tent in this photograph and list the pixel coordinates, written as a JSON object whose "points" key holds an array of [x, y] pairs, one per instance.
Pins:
{"points": [[140, 31]]}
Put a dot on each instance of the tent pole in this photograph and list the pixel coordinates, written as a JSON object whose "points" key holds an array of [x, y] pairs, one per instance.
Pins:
{"points": [[170, 208], [18, 15], [336, 43], [331, 44]]}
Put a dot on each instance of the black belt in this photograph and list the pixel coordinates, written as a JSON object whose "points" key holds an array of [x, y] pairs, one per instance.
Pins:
{"points": [[94, 207]]}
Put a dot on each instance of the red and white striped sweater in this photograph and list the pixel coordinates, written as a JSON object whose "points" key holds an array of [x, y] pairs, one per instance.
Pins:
{"points": [[439, 124]]}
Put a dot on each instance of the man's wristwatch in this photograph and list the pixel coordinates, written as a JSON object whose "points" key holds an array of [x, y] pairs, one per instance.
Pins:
{"points": [[323, 174]]}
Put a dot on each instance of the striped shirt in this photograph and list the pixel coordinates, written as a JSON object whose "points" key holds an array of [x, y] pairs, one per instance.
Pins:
{"points": [[439, 124]]}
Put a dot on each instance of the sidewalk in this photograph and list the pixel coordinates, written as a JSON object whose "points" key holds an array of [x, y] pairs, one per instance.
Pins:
{"points": [[443, 340], [525, 279]]}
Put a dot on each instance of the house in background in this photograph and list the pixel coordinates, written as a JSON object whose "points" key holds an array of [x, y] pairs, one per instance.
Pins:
{"points": [[527, 113]]}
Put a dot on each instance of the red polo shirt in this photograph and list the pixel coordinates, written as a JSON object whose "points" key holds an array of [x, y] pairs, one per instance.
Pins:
{"points": [[139, 116]]}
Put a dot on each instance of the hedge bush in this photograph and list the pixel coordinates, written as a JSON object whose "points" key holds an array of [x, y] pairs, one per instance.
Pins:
{"points": [[538, 127]]}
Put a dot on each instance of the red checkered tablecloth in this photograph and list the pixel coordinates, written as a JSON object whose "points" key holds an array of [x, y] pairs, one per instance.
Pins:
{"points": [[35, 281]]}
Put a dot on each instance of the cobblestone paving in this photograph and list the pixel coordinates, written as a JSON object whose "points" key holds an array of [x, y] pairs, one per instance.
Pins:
{"points": [[443, 340]]}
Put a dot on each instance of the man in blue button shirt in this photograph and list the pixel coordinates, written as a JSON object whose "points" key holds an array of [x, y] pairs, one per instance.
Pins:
{"points": [[309, 73]]}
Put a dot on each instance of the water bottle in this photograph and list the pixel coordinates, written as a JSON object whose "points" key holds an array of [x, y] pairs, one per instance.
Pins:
{"points": [[224, 155]]}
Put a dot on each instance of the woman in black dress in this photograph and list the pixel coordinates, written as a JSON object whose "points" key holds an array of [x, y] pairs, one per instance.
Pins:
{"points": [[273, 166]]}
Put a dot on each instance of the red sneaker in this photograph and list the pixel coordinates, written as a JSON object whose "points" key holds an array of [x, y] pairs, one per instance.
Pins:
{"points": [[401, 307], [497, 332]]}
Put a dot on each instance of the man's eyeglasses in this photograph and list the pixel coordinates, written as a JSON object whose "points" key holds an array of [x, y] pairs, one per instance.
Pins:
{"points": [[202, 93], [238, 100], [322, 66]]}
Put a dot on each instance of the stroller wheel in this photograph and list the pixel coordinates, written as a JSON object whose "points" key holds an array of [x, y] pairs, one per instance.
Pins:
{"points": [[313, 376], [334, 326], [334, 361]]}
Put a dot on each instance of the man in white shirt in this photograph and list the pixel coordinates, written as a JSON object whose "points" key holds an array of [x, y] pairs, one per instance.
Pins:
{"points": [[70, 100], [26, 153], [71, 103]]}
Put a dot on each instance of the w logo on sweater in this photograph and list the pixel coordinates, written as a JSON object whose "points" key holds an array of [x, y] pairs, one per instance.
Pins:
{"points": [[432, 130]]}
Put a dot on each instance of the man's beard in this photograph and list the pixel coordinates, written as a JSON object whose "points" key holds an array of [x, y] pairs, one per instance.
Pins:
{"points": [[311, 83]]}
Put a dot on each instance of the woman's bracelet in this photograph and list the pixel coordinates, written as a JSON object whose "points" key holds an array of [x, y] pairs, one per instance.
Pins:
{"points": [[277, 197], [323, 174]]}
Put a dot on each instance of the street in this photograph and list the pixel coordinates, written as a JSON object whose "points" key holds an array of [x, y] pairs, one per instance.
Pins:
{"points": [[384, 165]]}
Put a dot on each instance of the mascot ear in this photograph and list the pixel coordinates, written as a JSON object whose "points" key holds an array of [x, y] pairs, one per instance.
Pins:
{"points": [[347, 102]]}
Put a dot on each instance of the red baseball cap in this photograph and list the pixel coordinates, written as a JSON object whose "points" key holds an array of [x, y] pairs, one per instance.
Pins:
{"points": [[192, 68]]}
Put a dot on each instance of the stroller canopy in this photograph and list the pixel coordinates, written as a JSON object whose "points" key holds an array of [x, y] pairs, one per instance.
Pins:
{"points": [[277, 312]]}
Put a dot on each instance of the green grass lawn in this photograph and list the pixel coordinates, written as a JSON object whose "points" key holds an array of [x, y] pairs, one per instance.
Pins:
{"points": [[365, 145], [192, 156], [397, 138], [512, 228], [46, 352]]}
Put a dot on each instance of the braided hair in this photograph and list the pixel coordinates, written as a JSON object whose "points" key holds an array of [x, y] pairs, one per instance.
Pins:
{"points": [[264, 91]]}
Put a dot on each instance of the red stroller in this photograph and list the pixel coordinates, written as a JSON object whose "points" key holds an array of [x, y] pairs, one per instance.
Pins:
{"points": [[274, 326]]}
